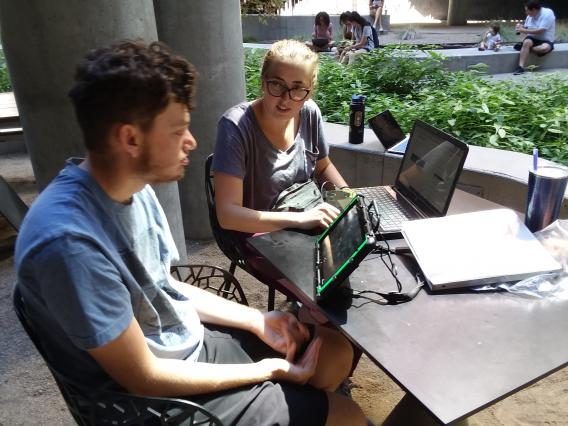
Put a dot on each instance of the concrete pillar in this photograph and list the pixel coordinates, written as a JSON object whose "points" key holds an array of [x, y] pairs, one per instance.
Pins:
{"points": [[457, 12], [43, 41], [209, 34]]}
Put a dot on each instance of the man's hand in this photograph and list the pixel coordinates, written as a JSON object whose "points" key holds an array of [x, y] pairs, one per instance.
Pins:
{"points": [[299, 372], [282, 332], [320, 216]]}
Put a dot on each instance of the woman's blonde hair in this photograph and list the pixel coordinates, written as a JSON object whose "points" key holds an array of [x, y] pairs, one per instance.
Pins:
{"points": [[291, 52]]}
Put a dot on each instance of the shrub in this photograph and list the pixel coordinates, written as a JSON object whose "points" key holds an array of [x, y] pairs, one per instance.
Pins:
{"points": [[469, 105], [5, 85]]}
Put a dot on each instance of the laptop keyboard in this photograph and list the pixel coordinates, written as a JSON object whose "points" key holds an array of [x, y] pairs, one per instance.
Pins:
{"points": [[390, 214]]}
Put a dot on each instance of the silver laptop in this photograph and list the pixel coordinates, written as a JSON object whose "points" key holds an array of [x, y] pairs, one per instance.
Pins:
{"points": [[389, 132], [425, 182]]}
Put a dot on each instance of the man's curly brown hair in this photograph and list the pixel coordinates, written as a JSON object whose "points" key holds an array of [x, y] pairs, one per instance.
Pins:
{"points": [[128, 82]]}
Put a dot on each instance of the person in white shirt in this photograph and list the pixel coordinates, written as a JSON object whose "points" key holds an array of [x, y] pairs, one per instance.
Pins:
{"points": [[539, 28], [491, 39]]}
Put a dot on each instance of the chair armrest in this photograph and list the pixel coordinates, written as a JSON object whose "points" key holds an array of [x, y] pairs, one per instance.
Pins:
{"points": [[211, 278]]}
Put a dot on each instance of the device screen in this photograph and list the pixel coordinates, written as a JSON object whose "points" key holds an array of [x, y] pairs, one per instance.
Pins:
{"points": [[431, 167], [386, 128], [344, 239]]}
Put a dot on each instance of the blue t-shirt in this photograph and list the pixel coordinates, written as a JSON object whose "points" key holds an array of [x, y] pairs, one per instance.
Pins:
{"points": [[88, 265]]}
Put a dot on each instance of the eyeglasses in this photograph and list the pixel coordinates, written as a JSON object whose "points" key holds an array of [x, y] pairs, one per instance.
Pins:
{"points": [[277, 90]]}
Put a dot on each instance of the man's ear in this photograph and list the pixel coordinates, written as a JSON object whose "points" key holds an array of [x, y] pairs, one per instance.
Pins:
{"points": [[129, 139]]}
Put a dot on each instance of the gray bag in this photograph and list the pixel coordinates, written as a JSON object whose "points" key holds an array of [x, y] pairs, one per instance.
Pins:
{"points": [[298, 198]]}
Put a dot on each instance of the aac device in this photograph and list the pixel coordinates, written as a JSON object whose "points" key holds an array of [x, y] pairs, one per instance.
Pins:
{"points": [[425, 182], [341, 247], [389, 132]]}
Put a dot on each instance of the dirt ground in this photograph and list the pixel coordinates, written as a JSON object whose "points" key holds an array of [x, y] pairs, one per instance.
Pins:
{"points": [[28, 395]]}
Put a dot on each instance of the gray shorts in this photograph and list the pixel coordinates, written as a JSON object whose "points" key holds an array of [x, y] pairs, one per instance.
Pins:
{"points": [[268, 403]]}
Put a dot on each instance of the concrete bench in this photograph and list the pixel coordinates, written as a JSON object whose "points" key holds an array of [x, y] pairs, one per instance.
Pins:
{"points": [[503, 61], [494, 174]]}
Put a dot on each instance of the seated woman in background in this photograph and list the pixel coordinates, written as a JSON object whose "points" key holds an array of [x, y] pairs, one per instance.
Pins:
{"points": [[363, 37], [266, 145], [322, 36]]}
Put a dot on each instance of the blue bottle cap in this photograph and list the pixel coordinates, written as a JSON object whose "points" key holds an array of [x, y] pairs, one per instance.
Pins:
{"points": [[358, 98]]}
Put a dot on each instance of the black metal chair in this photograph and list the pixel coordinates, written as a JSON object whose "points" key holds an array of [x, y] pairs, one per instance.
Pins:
{"points": [[212, 279], [230, 244], [100, 407]]}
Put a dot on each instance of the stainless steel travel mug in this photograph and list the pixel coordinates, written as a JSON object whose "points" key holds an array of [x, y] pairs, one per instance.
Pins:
{"points": [[547, 186]]}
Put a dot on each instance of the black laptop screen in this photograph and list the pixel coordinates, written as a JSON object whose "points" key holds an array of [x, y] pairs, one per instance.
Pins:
{"points": [[430, 168], [386, 128], [342, 241]]}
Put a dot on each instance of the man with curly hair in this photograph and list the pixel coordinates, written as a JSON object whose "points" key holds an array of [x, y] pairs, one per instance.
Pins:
{"points": [[93, 259]]}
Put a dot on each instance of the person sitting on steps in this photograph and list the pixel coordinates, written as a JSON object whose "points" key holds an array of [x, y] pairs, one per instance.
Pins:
{"points": [[539, 27]]}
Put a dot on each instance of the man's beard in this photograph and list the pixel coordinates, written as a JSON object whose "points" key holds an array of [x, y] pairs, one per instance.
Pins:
{"points": [[152, 172]]}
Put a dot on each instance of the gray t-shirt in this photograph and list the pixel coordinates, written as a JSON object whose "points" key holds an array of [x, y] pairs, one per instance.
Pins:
{"points": [[543, 19], [365, 31], [87, 265], [243, 151]]}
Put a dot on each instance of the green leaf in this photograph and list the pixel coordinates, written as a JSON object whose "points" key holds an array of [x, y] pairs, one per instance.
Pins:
{"points": [[485, 108], [502, 133], [493, 140], [452, 122]]}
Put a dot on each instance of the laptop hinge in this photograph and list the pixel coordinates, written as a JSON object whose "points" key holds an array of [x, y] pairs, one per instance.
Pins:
{"points": [[408, 203]]}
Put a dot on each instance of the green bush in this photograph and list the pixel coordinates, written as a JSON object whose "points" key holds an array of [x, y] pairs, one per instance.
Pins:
{"points": [[474, 108], [5, 85]]}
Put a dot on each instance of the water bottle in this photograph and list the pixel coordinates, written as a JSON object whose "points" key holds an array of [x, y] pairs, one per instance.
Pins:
{"points": [[357, 118]]}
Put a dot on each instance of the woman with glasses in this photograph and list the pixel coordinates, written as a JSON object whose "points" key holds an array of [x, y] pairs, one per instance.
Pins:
{"points": [[265, 146]]}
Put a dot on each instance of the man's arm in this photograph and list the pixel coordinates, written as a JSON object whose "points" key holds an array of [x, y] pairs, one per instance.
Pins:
{"points": [[524, 30], [214, 309], [128, 360]]}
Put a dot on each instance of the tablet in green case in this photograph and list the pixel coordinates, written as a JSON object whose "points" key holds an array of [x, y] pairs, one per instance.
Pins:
{"points": [[341, 247]]}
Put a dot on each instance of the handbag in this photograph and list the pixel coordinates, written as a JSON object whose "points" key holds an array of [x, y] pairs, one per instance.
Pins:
{"points": [[298, 197]]}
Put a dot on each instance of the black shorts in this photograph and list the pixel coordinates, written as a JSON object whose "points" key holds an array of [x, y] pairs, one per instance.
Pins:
{"points": [[537, 42], [267, 403]]}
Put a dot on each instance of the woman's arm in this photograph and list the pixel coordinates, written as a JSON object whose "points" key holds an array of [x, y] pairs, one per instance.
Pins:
{"points": [[327, 172], [232, 215]]}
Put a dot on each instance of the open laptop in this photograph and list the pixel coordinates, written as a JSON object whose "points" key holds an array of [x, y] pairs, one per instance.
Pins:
{"points": [[341, 247], [425, 183], [389, 132], [320, 42]]}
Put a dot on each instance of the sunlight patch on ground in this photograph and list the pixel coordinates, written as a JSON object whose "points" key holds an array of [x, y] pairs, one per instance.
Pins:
{"points": [[400, 11]]}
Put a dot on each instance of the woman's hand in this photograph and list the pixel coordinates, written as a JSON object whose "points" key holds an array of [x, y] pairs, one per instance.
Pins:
{"points": [[320, 216], [282, 332]]}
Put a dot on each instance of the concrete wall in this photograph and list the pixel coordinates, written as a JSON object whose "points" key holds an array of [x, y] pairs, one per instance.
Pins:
{"points": [[486, 9], [261, 28], [496, 175]]}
